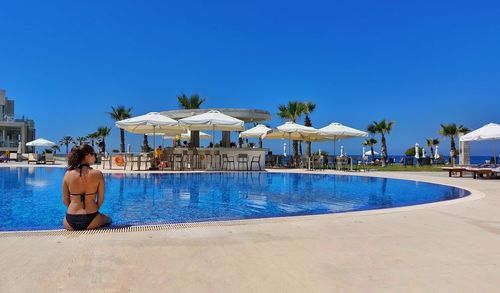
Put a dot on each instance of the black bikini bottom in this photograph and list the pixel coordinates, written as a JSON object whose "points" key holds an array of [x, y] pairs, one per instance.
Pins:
{"points": [[80, 222]]}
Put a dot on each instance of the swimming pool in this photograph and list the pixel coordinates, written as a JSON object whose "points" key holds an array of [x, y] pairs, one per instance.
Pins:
{"points": [[31, 197]]}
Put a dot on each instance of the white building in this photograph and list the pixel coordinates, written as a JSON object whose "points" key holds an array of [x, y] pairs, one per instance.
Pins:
{"points": [[14, 129]]}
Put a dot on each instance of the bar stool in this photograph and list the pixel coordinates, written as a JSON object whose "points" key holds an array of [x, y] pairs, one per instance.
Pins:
{"points": [[186, 159], [216, 157], [242, 159], [226, 161], [195, 159], [255, 160], [177, 158]]}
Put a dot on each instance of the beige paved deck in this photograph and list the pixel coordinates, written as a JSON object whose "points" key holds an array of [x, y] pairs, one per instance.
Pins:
{"points": [[445, 248]]}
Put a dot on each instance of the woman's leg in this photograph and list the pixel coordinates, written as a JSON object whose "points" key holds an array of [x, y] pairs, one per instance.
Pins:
{"points": [[99, 221]]}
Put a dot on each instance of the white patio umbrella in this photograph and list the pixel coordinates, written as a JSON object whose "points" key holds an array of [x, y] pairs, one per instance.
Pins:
{"points": [[417, 155], [369, 153], [436, 153], [41, 142], [149, 123], [489, 131], [336, 131], [341, 150], [259, 131], [212, 120], [423, 153], [294, 131], [187, 136], [364, 156]]}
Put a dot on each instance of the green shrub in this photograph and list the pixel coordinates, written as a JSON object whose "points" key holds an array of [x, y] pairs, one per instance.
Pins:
{"points": [[411, 152]]}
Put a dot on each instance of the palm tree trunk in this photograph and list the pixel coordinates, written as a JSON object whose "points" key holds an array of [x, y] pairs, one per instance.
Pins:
{"points": [[145, 144], [103, 145], [432, 153], [384, 151], [295, 151], [122, 140], [373, 153], [452, 148]]}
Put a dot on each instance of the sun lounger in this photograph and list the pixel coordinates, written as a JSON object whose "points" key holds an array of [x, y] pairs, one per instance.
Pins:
{"points": [[455, 170], [13, 157], [4, 158], [49, 158], [481, 172], [32, 158]]}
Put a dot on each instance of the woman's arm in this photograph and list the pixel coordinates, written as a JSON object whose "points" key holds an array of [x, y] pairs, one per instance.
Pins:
{"points": [[65, 193], [100, 191]]}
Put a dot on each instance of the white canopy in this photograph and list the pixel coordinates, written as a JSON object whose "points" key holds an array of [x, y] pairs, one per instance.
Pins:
{"points": [[259, 131], [187, 136], [41, 142], [149, 123], [212, 120], [294, 131], [369, 153], [336, 131], [490, 131]]}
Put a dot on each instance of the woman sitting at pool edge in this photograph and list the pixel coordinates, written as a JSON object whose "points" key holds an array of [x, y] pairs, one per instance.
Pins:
{"points": [[82, 185]]}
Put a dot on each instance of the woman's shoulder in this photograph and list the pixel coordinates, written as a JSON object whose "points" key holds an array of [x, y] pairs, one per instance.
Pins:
{"points": [[95, 172]]}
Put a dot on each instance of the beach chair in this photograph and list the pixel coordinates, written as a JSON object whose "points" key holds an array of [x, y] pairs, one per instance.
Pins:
{"points": [[49, 158], [32, 157], [457, 170], [4, 158], [13, 157], [481, 172]]}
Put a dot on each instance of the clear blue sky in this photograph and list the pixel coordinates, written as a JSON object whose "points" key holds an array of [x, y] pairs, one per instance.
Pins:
{"points": [[418, 63]]}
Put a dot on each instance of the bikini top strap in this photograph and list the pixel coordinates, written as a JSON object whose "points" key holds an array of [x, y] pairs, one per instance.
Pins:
{"points": [[81, 168]]}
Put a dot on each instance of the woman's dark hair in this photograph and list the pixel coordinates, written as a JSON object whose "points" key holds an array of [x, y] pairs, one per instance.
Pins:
{"points": [[77, 154]]}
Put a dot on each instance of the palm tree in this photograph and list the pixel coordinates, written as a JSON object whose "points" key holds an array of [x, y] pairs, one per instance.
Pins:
{"points": [[292, 112], [93, 137], [66, 141], [103, 132], [308, 109], [383, 127], [430, 143], [117, 114], [370, 142], [55, 148], [193, 102], [451, 131], [80, 140]]}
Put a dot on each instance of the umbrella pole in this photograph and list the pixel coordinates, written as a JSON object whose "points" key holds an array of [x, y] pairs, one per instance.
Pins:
{"points": [[495, 154], [154, 149]]}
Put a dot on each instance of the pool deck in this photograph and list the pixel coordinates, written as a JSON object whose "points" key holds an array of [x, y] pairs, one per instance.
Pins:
{"points": [[451, 246]]}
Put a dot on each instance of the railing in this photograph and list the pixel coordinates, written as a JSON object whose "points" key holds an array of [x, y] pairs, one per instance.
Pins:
{"points": [[9, 144], [14, 118]]}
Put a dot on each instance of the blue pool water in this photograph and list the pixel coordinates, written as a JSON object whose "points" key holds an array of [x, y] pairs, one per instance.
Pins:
{"points": [[30, 198]]}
